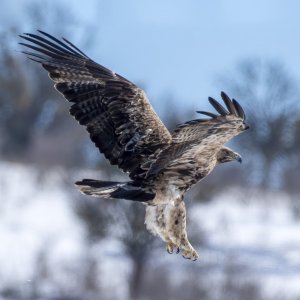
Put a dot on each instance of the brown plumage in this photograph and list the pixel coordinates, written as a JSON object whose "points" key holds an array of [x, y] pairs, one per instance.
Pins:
{"points": [[123, 125]]}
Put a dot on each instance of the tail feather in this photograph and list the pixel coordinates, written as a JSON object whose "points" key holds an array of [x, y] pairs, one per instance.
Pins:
{"points": [[114, 190]]}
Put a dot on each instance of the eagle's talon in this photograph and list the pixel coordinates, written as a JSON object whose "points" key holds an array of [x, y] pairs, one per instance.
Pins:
{"points": [[170, 248], [169, 251], [185, 254], [195, 256], [190, 254]]}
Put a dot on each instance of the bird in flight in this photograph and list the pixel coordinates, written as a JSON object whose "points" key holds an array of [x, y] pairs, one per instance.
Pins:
{"points": [[121, 122]]}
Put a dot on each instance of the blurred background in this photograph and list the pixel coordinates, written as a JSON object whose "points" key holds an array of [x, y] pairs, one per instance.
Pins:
{"points": [[244, 220]]}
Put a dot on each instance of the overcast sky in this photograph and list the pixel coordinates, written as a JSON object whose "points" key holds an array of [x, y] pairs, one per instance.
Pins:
{"points": [[178, 47]]}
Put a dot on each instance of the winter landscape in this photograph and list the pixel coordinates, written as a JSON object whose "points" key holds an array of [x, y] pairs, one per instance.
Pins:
{"points": [[243, 219]]}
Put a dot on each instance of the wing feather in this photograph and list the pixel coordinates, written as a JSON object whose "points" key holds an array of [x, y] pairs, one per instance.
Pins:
{"points": [[230, 106], [207, 113], [201, 137], [218, 107], [239, 109], [117, 114]]}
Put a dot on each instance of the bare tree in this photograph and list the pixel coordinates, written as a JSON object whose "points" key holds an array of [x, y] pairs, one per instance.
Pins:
{"points": [[33, 118], [270, 97], [138, 242]]}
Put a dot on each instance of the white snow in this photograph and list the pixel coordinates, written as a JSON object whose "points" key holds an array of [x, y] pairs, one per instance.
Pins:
{"points": [[34, 218], [259, 234]]}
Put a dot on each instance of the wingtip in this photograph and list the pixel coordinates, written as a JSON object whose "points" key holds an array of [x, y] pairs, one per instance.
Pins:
{"points": [[225, 97], [217, 106], [229, 104], [41, 31], [223, 94], [211, 100], [206, 113], [239, 109]]}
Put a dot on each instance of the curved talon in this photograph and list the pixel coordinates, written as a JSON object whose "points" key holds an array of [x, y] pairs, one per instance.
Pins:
{"points": [[170, 251], [185, 254], [195, 256], [170, 248], [190, 254], [177, 250]]}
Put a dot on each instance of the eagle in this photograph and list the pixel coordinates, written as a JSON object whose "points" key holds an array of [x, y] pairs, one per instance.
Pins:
{"points": [[121, 122]]}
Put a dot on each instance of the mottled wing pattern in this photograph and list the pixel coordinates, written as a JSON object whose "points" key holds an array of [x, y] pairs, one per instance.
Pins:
{"points": [[116, 113], [194, 142]]}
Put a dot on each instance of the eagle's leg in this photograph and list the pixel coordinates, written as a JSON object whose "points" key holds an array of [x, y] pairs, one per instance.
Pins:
{"points": [[188, 250], [156, 223], [163, 223], [168, 221], [175, 223]]}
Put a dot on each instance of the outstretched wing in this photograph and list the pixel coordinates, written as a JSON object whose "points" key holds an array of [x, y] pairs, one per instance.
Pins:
{"points": [[199, 138], [116, 113]]}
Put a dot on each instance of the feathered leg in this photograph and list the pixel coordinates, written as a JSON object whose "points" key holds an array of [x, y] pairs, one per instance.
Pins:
{"points": [[188, 250], [177, 231], [168, 221]]}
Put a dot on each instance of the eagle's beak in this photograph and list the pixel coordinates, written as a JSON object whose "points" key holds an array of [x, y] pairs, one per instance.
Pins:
{"points": [[246, 126], [239, 159]]}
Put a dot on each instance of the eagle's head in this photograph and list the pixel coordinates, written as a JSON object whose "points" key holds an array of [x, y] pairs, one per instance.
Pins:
{"points": [[225, 154], [241, 125]]}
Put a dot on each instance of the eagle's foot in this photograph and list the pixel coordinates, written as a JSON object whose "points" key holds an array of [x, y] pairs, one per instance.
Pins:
{"points": [[188, 250], [190, 254], [171, 247]]}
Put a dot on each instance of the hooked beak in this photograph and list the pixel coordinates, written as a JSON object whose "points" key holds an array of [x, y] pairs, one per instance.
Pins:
{"points": [[239, 158], [246, 126]]}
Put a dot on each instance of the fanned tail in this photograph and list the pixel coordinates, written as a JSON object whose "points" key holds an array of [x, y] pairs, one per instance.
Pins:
{"points": [[114, 190]]}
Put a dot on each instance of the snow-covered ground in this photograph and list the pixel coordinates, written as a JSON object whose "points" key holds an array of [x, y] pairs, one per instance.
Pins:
{"points": [[257, 231], [258, 234]]}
